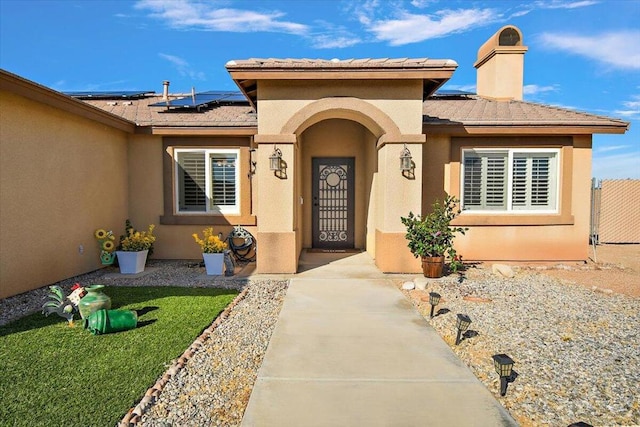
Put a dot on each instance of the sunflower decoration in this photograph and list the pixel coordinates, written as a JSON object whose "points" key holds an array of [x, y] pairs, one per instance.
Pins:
{"points": [[106, 240]]}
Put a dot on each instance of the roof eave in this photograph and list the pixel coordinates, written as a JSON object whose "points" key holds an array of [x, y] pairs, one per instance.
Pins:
{"points": [[20, 86], [246, 78], [530, 129]]}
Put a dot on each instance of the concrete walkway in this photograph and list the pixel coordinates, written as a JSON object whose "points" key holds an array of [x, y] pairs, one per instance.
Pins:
{"points": [[350, 350]]}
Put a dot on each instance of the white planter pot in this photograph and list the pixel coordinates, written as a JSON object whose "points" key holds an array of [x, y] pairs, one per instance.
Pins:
{"points": [[131, 262], [214, 263]]}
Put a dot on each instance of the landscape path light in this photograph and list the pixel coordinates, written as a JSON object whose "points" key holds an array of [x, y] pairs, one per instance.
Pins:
{"points": [[504, 367], [462, 324], [434, 299]]}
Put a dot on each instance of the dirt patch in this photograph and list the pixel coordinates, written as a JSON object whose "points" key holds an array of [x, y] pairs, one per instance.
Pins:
{"points": [[609, 269]]}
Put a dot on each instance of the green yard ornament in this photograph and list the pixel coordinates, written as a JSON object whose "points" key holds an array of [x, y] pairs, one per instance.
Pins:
{"points": [[109, 321], [94, 307], [62, 305]]}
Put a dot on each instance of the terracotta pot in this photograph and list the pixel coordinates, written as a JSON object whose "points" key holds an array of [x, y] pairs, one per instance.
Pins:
{"points": [[433, 267]]}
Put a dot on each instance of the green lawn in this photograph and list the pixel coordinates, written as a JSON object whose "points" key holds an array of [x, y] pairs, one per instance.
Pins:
{"points": [[55, 375]]}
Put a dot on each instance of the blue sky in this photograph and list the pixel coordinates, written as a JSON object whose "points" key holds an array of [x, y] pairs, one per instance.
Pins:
{"points": [[583, 54]]}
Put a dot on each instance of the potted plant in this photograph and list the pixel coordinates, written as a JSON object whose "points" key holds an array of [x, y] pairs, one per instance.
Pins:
{"points": [[431, 237], [213, 248], [134, 248]]}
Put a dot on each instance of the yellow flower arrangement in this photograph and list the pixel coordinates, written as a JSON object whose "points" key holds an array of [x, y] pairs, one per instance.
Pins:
{"points": [[210, 243], [138, 240]]}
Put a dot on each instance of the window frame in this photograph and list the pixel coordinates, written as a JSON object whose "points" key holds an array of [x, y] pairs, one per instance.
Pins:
{"points": [[555, 185], [215, 210]]}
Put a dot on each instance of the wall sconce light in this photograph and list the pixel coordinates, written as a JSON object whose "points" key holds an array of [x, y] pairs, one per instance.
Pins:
{"points": [[462, 324], [405, 160], [434, 299], [275, 159], [504, 368]]}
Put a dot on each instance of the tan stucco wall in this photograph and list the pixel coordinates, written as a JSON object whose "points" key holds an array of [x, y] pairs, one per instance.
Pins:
{"points": [[278, 101], [146, 189], [326, 118], [501, 77], [513, 237], [62, 177]]}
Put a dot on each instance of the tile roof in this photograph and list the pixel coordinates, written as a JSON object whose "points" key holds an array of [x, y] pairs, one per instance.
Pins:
{"points": [[304, 63], [139, 112], [437, 111], [475, 110]]}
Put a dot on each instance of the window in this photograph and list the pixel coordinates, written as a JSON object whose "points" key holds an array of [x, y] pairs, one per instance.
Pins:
{"points": [[207, 181], [512, 180]]}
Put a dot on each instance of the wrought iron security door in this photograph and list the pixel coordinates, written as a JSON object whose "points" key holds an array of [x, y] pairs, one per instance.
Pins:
{"points": [[333, 202]]}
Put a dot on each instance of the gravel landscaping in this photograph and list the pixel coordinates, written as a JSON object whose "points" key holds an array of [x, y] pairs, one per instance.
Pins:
{"points": [[577, 351]]}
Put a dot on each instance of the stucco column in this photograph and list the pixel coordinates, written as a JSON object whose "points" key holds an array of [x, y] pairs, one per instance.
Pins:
{"points": [[398, 194], [276, 236]]}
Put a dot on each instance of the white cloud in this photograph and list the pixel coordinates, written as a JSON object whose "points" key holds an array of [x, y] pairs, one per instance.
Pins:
{"points": [[331, 42], [183, 67], [186, 14], [560, 4], [611, 148], [175, 60], [421, 4], [631, 108], [633, 104], [568, 107], [463, 88], [59, 85], [412, 28], [629, 114], [615, 49], [535, 89], [364, 11], [616, 166], [520, 13], [552, 4]]}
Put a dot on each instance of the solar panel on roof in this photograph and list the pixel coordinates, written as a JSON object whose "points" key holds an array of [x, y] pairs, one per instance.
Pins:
{"points": [[201, 99], [449, 92], [109, 94]]}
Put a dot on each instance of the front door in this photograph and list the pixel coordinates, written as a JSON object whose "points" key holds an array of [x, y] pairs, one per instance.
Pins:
{"points": [[333, 202]]}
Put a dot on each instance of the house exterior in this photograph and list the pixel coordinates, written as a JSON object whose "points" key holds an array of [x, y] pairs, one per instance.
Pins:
{"points": [[335, 131]]}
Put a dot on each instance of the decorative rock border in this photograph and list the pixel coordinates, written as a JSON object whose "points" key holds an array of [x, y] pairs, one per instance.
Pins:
{"points": [[134, 415]]}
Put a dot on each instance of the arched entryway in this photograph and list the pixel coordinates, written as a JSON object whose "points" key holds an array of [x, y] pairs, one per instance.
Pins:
{"points": [[345, 133], [338, 134], [338, 160]]}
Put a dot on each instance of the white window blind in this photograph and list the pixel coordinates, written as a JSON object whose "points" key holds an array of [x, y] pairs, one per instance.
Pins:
{"points": [[510, 180], [485, 181], [223, 172], [533, 184], [207, 180], [192, 181]]}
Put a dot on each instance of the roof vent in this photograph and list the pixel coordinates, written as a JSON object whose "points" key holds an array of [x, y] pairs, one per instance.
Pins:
{"points": [[509, 37], [165, 90]]}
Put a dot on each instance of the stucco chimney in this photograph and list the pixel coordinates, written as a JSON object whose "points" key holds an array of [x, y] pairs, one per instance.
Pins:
{"points": [[165, 90], [500, 65]]}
